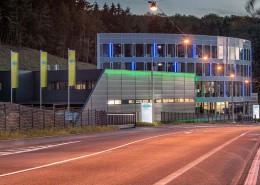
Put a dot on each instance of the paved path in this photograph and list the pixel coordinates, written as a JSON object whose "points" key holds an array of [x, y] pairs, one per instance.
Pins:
{"points": [[165, 155]]}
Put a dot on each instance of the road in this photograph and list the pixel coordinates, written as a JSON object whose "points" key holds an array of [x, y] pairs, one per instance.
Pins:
{"points": [[191, 154]]}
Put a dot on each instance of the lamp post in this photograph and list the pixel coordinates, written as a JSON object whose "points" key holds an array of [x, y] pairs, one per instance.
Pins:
{"points": [[246, 94], [152, 88], [246, 82], [232, 96], [186, 42], [218, 71]]}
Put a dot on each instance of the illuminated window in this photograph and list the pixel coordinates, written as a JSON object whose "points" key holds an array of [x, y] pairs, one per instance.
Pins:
{"points": [[145, 101], [139, 101], [111, 102], [165, 100], [158, 101], [220, 52], [117, 102], [131, 101]]}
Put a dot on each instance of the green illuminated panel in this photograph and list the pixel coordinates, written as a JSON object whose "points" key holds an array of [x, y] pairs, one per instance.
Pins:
{"points": [[148, 73]]}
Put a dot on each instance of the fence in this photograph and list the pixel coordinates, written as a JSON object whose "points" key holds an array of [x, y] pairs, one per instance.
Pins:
{"points": [[93, 117], [121, 119], [17, 117], [168, 117]]}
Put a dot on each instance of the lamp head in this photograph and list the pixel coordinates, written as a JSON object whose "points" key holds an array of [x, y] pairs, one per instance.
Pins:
{"points": [[186, 41], [153, 6], [232, 75], [205, 57]]}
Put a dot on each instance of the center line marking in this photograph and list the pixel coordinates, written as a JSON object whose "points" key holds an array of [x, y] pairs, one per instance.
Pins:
{"points": [[85, 156], [31, 149], [182, 170]]}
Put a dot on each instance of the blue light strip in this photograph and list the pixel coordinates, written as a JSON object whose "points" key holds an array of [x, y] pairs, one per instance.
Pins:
{"points": [[235, 69], [110, 53], [248, 71], [176, 66], [243, 54], [194, 50], [154, 49], [133, 65]]}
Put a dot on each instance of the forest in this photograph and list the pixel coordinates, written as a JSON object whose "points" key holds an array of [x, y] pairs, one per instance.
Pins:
{"points": [[55, 25]]}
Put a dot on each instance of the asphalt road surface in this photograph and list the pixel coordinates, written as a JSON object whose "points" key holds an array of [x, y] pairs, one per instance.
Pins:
{"points": [[166, 155]]}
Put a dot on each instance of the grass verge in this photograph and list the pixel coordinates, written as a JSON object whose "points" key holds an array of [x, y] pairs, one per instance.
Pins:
{"points": [[54, 132], [144, 124]]}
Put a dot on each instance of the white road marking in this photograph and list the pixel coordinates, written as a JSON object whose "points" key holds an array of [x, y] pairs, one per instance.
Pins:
{"points": [[182, 170], [85, 156], [31, 149], [253, 172]]}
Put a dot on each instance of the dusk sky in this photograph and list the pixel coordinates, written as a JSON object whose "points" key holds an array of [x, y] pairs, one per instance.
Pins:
{"points": [[188, 7]]}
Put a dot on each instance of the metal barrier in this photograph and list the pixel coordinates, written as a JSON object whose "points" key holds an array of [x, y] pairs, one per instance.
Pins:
{"points": [[121, 119], [168, 117], [102, 118]]}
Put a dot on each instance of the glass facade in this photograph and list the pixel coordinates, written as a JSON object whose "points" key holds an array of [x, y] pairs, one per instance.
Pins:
{"points": [[168, 52]]}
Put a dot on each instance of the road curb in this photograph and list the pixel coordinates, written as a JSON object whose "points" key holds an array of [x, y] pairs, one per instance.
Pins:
{"points": [[247, 166]]}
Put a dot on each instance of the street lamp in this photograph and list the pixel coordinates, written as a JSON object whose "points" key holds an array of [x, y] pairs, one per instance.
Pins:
{"points": [[246, 92], [153, 6], [152, 87], [246, 82], [186, 42], [219, 68], [232, 96]]}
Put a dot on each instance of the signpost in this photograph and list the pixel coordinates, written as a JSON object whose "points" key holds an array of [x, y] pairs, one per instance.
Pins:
{"points": [[147, 112], [256, 111]]}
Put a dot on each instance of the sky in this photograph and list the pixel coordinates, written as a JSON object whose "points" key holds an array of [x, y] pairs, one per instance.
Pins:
{"points": [[187, 7]]}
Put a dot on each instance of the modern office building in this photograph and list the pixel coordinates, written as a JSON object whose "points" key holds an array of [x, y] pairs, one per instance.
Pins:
{"points": [[116, 91], [222, 65]]}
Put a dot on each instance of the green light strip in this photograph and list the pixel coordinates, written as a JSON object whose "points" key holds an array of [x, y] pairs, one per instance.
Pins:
{"points": [[148, 73]]}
